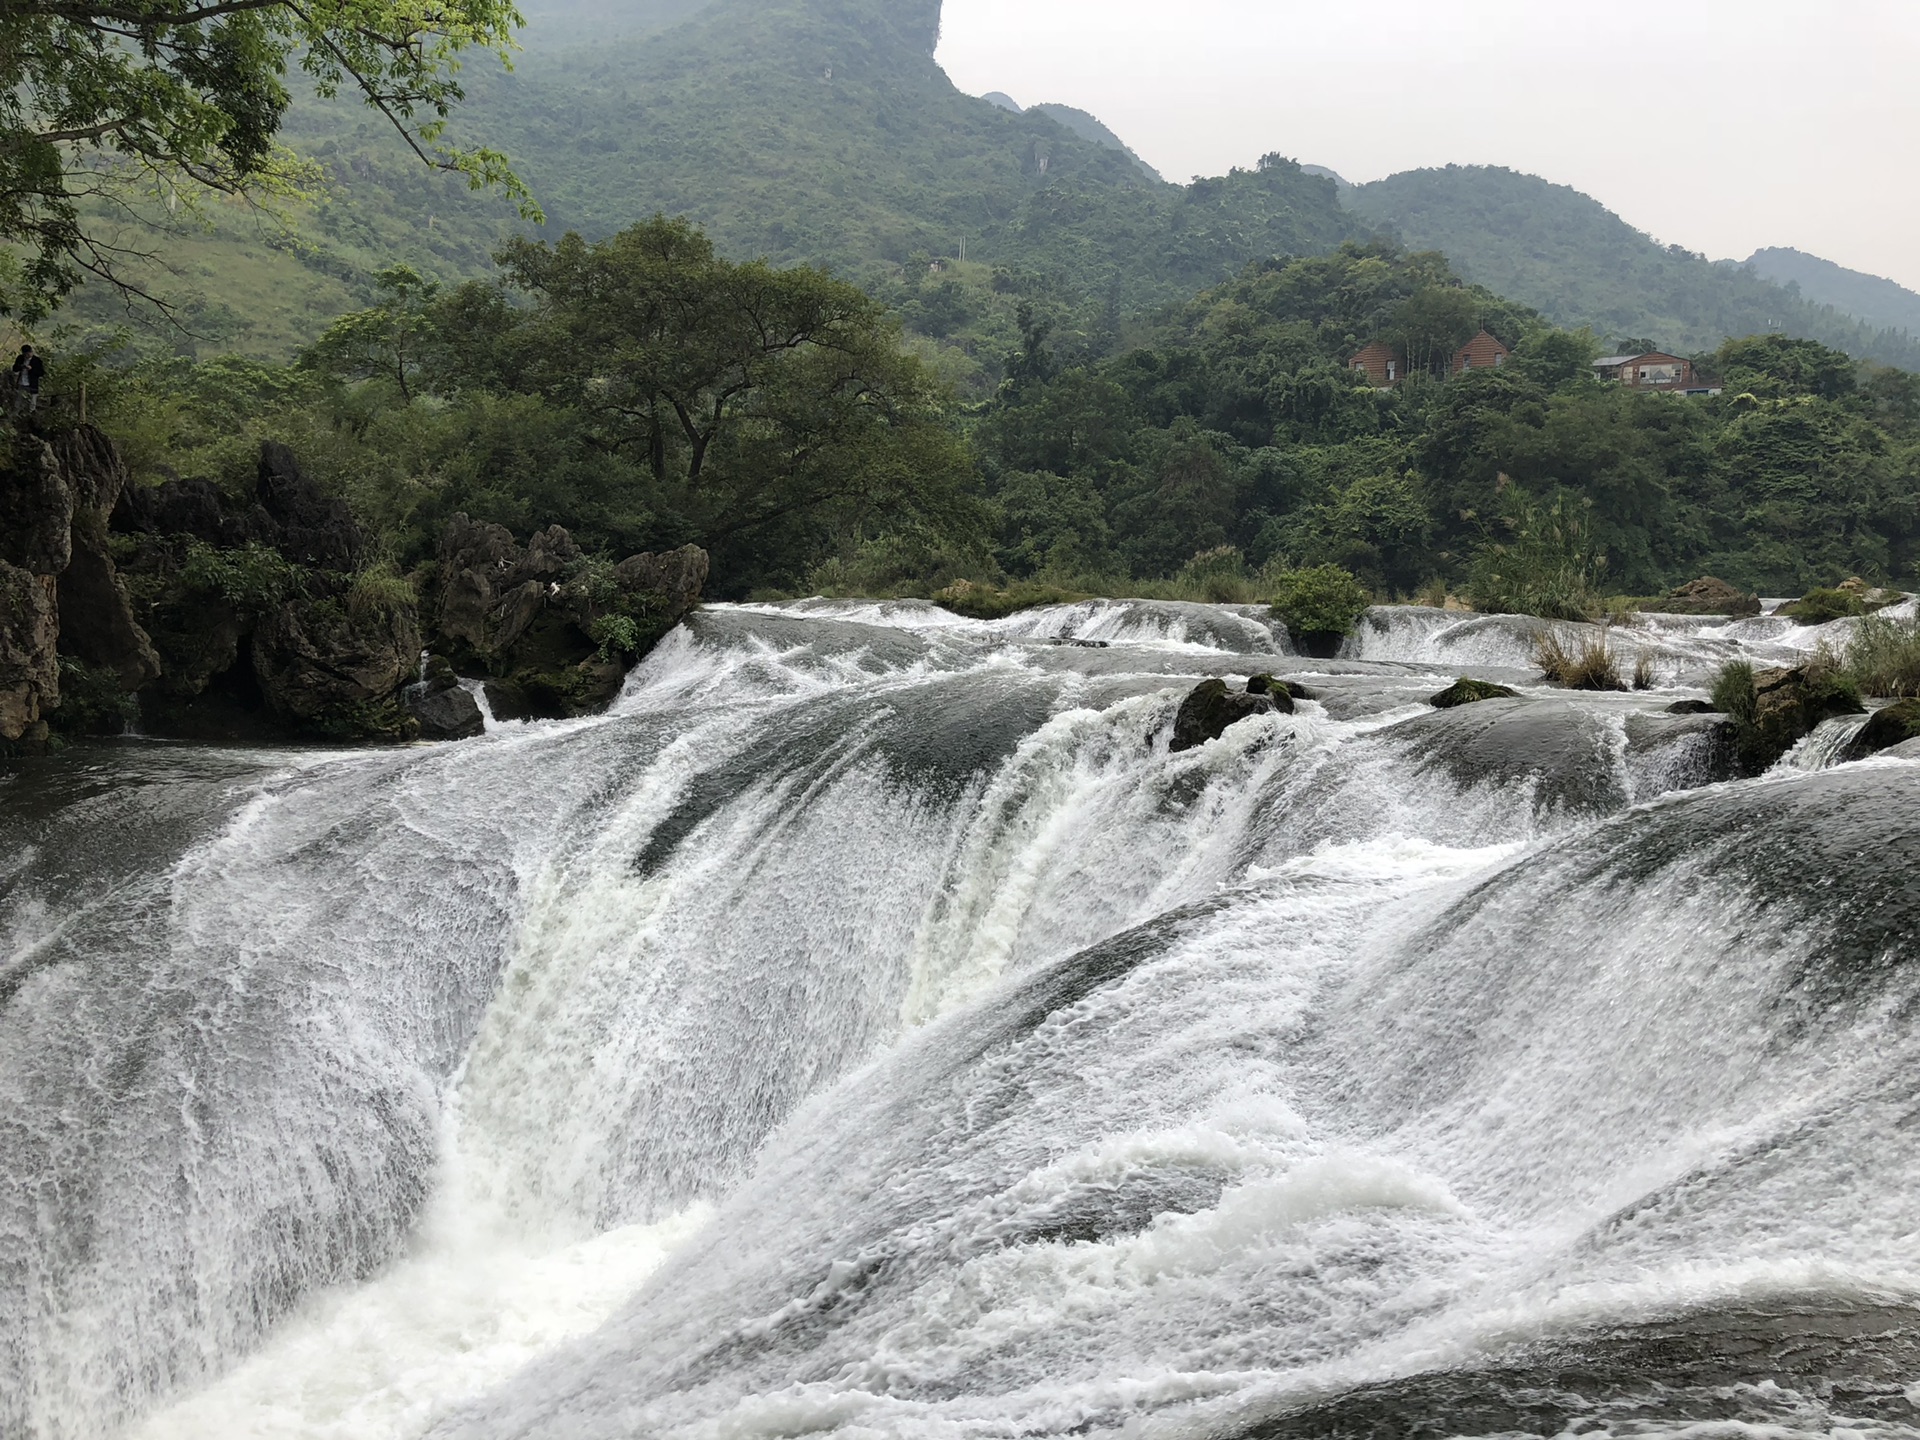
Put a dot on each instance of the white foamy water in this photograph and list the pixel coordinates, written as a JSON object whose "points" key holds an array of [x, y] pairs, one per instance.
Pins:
{"points": [[871, 1027]]}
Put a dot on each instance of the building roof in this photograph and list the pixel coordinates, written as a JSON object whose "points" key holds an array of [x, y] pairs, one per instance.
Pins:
{"points": [[1608, 362]]}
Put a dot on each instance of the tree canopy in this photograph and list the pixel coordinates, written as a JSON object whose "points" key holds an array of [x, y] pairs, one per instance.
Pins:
{"points": [[106, 104]]}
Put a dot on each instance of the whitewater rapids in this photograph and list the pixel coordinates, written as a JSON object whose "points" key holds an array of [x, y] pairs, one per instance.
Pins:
{"points": [[868, 1028]]}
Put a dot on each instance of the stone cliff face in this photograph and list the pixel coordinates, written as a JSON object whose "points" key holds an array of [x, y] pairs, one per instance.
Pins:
{"points": [[235, 617]]}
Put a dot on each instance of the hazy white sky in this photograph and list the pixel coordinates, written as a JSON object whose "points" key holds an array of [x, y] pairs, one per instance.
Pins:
{"points": [[1721, 125]]}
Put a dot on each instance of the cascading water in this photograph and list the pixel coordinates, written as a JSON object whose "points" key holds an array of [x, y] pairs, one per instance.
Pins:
{"points": [[869, 1027]]}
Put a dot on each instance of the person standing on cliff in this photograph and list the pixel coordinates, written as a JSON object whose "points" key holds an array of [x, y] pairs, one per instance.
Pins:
{"points": [[28, 368]]}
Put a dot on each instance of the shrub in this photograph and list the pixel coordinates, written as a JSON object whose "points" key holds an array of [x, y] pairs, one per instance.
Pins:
{"points": [[1585, 662], [1643, 677], [1733, 694], [615, 635], [254, 578], [1215, 576], [92, 701], [1320, 600], [1883, 658], [379, 593], [1547, 568]]}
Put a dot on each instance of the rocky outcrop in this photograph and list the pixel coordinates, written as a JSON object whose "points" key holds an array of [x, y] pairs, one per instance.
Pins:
{"points": [[321, 666], [1785, 707], [1885, 728], [36, 523], [257, 615], [97, 624], [551, 631], [1211, 708], [1710, 596], [1470, 692], [29, 659]]}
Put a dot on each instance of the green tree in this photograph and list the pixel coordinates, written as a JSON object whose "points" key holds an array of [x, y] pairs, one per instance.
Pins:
{"points": [[759, 401], [386, 341], [159, 99]]}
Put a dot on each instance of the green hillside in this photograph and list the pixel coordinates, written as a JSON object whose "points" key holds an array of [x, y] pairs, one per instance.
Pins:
{"points": [[1869, 298], [816, 131], [1565, 254]]}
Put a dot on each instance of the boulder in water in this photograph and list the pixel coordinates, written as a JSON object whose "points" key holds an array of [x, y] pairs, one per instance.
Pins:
{"points": [[1886, 728], [1710, 596], [1692, 707], [447, 714], [1207, 712], [1471, 692]]}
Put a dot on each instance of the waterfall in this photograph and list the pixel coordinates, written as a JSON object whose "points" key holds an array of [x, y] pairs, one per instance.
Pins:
{"points": [[869, 1025]]}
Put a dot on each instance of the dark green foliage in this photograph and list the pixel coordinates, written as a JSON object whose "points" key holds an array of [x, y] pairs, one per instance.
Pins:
{"points": [[1319, 600], [1471, 692], [253, 579], [1542, 563], [1733, 692], [92, 701], [981, 602]]}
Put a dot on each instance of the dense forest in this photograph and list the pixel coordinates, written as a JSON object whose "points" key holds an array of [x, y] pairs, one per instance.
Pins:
{"points": [[1868, 298], [1224, 441]]}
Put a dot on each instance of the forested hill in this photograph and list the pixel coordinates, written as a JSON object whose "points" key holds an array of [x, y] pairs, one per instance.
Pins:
{"points": [[1878, 302], [1567, 255], [817, 131]]}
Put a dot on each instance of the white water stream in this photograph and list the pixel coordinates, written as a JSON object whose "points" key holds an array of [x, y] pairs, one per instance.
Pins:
{"points": [[870, 1028]]}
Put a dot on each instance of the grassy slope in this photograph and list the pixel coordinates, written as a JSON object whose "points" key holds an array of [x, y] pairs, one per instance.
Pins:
{"points": [[1564, 253]]}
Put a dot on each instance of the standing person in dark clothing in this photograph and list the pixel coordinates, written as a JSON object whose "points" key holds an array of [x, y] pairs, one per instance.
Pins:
{"points": [[28, 368]]}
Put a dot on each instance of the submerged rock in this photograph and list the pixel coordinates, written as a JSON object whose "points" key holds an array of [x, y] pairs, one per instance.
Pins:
{"points": [[1710, 596], [1886, 728], [1471, 692], [1692, 707], [1211, 708], [1569, 753]]}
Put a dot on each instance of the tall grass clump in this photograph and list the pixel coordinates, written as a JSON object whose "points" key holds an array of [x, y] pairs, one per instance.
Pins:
{"points": [[1544, 565], [1883, 657], [1582, 662]]}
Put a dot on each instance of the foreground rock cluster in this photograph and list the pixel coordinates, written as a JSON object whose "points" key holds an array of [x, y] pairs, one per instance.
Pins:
{"points": [[216, 616]]}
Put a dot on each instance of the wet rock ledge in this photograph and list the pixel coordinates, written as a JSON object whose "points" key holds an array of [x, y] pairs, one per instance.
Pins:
{"points": [[208, 615]]}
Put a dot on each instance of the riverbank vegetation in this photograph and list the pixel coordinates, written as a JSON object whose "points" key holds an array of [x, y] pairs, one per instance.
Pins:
{"points": [[646, 392]]}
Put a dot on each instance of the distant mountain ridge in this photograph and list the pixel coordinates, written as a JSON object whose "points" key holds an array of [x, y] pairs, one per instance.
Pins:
{"points": [[1568, 256], [1869, 298]]}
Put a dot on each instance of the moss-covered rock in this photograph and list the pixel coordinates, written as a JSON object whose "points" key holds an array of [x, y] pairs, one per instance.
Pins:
{"points": [[1471, 692], [1817, 607], [1886, 728], [1707, 596], [1278, 688]]}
